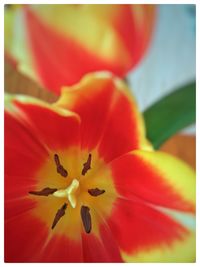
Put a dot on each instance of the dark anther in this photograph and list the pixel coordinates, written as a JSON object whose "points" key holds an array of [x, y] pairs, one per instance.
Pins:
{"points": [[44, 192], [86, 219], [59, 214], [62, 171], [60, 168], [95, 192], [87, 165]]}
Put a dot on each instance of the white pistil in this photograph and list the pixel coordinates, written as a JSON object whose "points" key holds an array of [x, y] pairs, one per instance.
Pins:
{"points": [[69, 192]]}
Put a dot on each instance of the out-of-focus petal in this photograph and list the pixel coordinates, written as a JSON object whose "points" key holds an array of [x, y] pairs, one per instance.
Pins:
{"points": [[16, 45], [64, 42]]}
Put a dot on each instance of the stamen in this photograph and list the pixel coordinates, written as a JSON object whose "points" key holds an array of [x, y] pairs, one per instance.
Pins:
{"points": [[44, 192], [95, 192], [86, 219], [59, 214], [60, 168], [87, 165]]}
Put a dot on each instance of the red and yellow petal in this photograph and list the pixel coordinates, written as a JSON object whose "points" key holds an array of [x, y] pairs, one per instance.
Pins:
{"points": [[31, 241], [17, 49], [154, 216], [156, 178], [54, 127], [122, 27], [35, 243], [110, 119], [91, 99], [125, 129], [33, 132], [146, 234], [27, 219], [118, 31]]}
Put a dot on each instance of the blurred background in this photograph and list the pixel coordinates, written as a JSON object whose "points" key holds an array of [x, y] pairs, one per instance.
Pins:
{"points": [[169, 63], [171, 58]]}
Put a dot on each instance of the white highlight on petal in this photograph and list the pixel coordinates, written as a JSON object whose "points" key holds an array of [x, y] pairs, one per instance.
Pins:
{"points": [[103, 74], [185, 218]]}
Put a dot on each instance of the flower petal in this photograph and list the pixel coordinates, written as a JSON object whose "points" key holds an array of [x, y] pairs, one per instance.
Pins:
{"points": [[32, 130], [146, 234], [46, 247], [156, 178], [23, 156], [109, 30], [155, 213], [121, 33], [17, 49], [23, 153], [18, 232], [125, 129], [97, 94], [61, 249], [108, 113], [52, 126], [29, 140], [104, 249], [64, 66], [43, 247]]}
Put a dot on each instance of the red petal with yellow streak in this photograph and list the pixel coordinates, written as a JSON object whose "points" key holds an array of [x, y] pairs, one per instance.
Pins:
{"points": [[155, 212], [32, 129], [38, 128], [62, 49], [110, 119], [54, 128]]}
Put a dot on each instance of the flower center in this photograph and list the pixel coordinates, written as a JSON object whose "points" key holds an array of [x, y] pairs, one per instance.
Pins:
{"points": [[80, 192], [69, 192]]}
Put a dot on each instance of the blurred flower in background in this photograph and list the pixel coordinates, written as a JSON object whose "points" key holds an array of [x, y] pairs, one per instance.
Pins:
{"points": [[57, 44]]}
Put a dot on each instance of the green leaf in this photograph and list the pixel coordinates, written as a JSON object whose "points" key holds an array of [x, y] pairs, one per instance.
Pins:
{"points": [[171, 114]]}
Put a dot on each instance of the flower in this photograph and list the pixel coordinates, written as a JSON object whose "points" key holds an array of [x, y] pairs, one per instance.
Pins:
{"points": [[57, 44], [82, 183]]}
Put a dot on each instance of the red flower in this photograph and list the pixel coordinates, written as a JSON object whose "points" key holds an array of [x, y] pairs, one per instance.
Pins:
{"points": [[58, 44], [82, 184]]}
